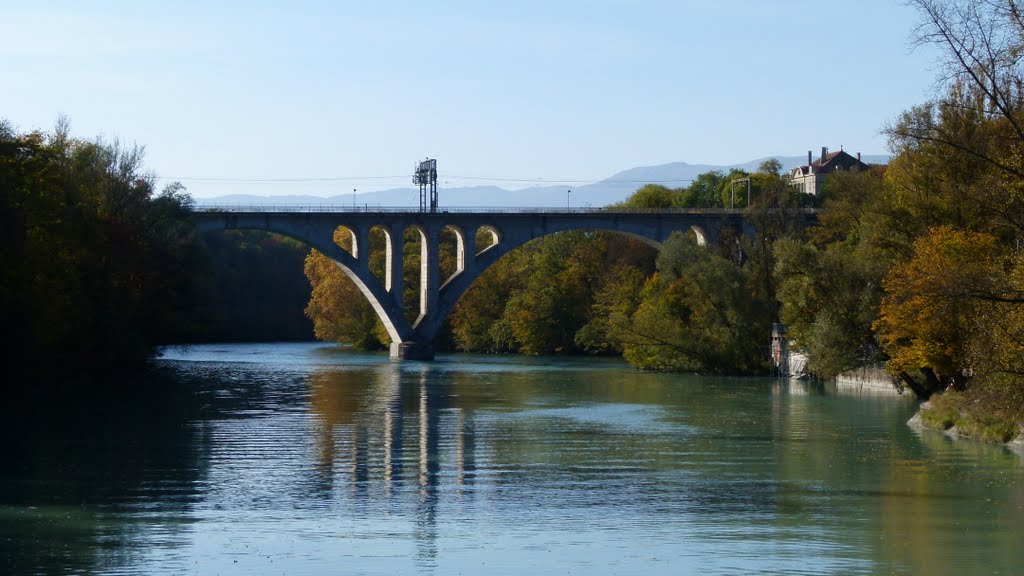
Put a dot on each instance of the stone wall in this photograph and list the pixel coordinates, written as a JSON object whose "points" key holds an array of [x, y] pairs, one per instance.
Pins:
{"points": [[871, 378]]}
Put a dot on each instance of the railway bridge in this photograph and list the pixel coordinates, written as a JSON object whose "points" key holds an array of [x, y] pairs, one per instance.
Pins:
{"points": [[507, 229]]}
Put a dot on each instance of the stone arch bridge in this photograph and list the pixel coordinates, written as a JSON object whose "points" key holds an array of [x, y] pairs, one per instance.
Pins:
{"points": [[507, 229]]}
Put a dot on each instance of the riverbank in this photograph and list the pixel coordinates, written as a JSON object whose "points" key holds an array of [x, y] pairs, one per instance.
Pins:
{"points": [[957, 414], [979, 415]]}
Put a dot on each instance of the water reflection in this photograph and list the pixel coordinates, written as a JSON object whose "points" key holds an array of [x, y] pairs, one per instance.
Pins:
{"points": [[379, 432], [328, 462], [83, 481]]}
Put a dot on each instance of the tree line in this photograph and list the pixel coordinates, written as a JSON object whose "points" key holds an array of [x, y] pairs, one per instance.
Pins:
{"points": [[99, 268], [96, 266]]}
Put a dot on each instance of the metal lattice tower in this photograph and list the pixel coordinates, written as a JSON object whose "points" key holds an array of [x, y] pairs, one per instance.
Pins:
{"points": [[426, 177]]}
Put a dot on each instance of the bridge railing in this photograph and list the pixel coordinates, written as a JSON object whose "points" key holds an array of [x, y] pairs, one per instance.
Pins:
{"points": [[366, 209]]}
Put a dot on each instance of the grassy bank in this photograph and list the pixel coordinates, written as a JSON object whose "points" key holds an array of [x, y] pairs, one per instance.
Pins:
{"points": [[973, 415]]}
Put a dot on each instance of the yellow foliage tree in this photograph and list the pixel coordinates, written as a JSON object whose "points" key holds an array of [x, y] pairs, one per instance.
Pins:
{"points": [[938, 303], [339, 311]]}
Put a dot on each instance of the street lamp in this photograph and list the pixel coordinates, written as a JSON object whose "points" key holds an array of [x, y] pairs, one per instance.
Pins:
{"points": [[733, 192], [353, 199], [567, 205]]}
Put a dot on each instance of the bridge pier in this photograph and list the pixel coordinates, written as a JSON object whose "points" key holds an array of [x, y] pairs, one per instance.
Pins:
{"points": [[411, 351]]}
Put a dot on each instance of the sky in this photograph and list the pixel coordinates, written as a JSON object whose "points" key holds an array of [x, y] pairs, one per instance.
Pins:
{"points": [[327, 97]]}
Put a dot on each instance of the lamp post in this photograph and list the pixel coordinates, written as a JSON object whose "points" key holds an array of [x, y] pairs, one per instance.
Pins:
{"points": [[568, 206], [732, 191], [353, 199]]}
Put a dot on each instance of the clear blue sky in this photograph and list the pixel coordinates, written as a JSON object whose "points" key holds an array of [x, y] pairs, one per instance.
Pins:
{"points": [[552, 89]]}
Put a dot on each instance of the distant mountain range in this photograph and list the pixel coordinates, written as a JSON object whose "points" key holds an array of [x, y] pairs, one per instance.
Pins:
{"points": [[608, 191]]}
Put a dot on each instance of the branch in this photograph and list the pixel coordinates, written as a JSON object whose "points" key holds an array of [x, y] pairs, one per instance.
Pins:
{"points": [[945, 142], [970, 64]]}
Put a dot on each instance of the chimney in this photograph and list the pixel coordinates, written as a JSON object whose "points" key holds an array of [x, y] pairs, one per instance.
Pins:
{"points": [[809, 158], [824, 151], [858, 157]]}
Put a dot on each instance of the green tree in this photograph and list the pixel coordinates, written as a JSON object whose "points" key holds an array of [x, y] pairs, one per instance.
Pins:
{"points": [[829, 300], [612, 311], [651, 196], [696, 314], [771, 167], [477, 318], [705, 191]]}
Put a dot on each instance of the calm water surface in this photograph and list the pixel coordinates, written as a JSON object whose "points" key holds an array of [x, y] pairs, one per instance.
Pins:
{"points": [[304, 459]]}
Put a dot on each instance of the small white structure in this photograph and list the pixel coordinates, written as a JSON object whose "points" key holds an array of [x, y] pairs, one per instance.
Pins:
{"points": [[787, 362]]}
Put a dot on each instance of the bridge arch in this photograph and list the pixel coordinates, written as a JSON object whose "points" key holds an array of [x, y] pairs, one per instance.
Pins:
{"points": [[700, 234], [508, 231], [460, 248], [456, 286], [488, 231], [353, 268], [342, 234]]}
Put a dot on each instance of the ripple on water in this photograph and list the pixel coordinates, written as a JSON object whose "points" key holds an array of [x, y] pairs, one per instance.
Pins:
{"points": [[302, 459]]}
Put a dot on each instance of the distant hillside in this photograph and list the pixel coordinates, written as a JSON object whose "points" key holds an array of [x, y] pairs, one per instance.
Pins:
{"points": [[608, 191]]}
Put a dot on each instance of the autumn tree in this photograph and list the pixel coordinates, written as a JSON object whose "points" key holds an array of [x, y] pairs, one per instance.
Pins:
{"points": [[976, 122], [940, 303], [339, 310]]}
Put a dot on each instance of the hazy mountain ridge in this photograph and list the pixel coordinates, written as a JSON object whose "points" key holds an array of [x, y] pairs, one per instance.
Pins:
{"points": [[608, 191]]}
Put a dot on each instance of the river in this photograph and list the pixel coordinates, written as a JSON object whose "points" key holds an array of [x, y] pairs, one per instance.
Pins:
{"points": [[306, 459]]}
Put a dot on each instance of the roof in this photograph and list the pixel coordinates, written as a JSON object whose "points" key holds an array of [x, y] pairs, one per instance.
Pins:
{"points": [[840, 160]]}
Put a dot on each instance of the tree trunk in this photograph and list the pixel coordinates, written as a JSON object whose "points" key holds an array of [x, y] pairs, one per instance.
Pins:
{"points": [[920, 391], [933, 382]]}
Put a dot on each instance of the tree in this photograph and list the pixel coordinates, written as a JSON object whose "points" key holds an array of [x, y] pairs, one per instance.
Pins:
{"points": [[477, 317], [614, 305], [930, 312], [651, 196], [977, 121], [696, 314], [829, 288], [97, 268], [545, 316], [771, 166], [339, 310], [705, 191], [257, 290], [829, 299]]}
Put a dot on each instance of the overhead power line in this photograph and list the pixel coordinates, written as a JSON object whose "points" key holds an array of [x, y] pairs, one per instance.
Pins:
{"points": [[566, 181], [403, 176], [302, 179]]}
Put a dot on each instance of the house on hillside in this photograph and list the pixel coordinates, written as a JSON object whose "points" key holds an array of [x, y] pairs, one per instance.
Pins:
{"points": [[810, 178]]}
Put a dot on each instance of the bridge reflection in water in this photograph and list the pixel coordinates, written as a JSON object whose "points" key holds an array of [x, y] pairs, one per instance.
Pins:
{"points": [[379, 444], [508, 229]]}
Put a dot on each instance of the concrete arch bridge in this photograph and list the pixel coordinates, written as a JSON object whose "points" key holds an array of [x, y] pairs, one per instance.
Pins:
{"points": [[507, 229]]}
